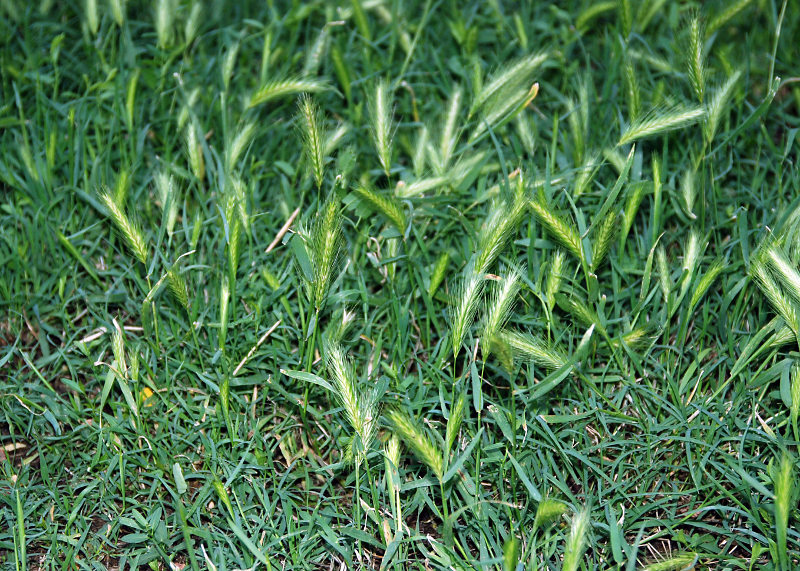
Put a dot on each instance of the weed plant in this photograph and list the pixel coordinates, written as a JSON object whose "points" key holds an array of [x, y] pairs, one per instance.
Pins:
{"points": [[401, 284]]}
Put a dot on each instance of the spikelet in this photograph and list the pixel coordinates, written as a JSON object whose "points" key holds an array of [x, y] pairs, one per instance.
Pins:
{"points": [[228, 63], [514, 75], [689, 192], [164, 18], [601, 244], [664, 278], [586, 173], [547, 511], [417, 441], [334, 138], [532, 348], [555, 276], [560, 229], [690, 256], [498, 310], [91, 16], [719, 104], [382, 125], [117, 11], [420, 186], [194, 150], [165, 185], [576, 541], [439, 270], [784, 270], [782, 474], [777, 297], [680, 562], [384, 204], [635, 195], [726, 15], [449, 138], [500, 225], [661, 121], [455, 419], [420, 152], [704, 283], [224, 299], [192, 22], [324, 250], [238, 144], [310, 121], [360, 407], [634, 97], [278, 88], [695, 57], [463, 313], [177, 285], [130, 232]]}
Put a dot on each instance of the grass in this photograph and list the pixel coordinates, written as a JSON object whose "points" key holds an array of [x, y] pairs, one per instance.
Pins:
{"points": [[399, 285]]}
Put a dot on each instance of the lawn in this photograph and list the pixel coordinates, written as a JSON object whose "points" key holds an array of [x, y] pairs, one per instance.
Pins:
{"points": [[395, 284]]}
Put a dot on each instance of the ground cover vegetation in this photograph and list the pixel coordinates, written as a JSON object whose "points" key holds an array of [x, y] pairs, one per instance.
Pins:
{"points": [[384, 284]]}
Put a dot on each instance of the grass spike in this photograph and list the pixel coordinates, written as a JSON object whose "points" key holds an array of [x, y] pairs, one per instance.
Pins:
{"points": [[455, 420], [382, 125], [462, 314], [555, 276], [705, 282], [498, 310], [564, 232], [512, 75], [384, 204], [238, 144], [576, 541], [449, 138], [601, 245], [661, 121], [310, 121], [719, 105], [439, 270], [130, 232], [695, 54], [360, 407], [279, 88], [500, 224], [533, 348], [731, 9], [417, 441]]}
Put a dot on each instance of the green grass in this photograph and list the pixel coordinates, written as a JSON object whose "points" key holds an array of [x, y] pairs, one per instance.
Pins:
{"points": [[383, 284]]}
